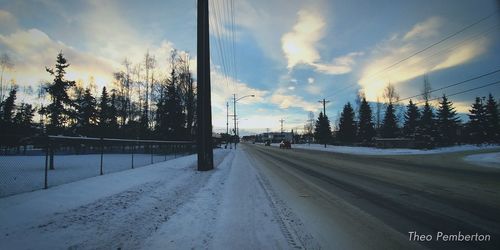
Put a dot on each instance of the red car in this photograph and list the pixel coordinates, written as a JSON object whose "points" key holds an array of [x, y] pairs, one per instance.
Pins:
{"points": [[285, 145]]}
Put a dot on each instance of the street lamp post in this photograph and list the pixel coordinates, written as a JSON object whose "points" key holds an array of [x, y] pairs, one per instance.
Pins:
{"points": [[234, 114]]}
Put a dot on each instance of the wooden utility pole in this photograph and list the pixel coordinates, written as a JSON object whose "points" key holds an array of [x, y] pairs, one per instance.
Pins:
{"points": [[324, 109], [282, 125], [227, 118], [204, 104], [324, 104], [234, 119]]}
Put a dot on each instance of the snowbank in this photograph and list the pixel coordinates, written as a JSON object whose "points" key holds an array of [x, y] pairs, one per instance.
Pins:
{"points": [[26, 173], [232, 211], [28, 207], [391, 151], [167, 205], [489, 160]]}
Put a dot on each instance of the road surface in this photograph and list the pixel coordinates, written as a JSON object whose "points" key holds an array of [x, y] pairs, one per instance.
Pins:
{"points": [[374, 202]]}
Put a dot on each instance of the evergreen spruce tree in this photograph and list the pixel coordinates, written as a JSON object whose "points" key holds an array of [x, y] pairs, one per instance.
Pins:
{"points": [[113, 116], [426, 131], [175, 116], [161, 118], [23, 120], [59, 110], [412, 117], [389, 124], [170, 118], [86, 106], [7, 126], [476, 128], [447, 122], [103, 114], [190, 102], [365, 131], [492, 120], [322, 130], [8, 108], [347, 125]]}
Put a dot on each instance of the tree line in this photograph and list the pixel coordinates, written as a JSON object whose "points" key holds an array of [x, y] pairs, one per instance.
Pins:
{"points": [[140, 104], [428, 126]]}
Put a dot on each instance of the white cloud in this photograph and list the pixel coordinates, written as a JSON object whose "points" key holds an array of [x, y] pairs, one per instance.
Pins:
{"points": [[374, 75], [108, 40], [340, 65], [8, 22], [284, 101], [464, 54], [266, 26], [425, 29], [313, 89], [222, 92], [110, 34], [32, 50], [300, 46], [223, 89], [310, 80], [462, 107]]}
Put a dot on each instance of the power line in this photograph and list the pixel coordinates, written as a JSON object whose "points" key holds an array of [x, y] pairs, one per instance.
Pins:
{"points": [[454, 84], [438, 42], [465, 91], [221, 40], [223, 26], [454, 46], [420, 51]]}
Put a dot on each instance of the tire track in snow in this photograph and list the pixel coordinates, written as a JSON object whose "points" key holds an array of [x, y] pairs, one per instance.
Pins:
{"points": [[290, 224]]}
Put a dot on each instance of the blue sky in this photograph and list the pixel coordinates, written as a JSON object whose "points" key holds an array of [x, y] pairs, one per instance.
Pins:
{"points": [[290, 54]]}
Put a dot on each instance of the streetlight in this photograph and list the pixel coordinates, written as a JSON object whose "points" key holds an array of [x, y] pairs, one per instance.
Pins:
{"points": [[234, 114]]}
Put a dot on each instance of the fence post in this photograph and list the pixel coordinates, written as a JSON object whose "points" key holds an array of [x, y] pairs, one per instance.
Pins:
{"points": [[51, 156], [165, 151], [151, 149], [133, 148], [175, 151], [102, 152], [47, 148]]}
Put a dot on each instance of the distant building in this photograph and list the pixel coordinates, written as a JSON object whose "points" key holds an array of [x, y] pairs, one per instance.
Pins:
{"points": [[274, 137], [249, 138]]}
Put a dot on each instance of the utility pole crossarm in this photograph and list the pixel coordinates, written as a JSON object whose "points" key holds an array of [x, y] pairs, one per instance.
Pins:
{"points": [[324, 105]]}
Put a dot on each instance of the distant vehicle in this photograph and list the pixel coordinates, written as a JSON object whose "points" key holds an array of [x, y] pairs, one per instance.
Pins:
{"points": [[268, 143], [285, 144]]}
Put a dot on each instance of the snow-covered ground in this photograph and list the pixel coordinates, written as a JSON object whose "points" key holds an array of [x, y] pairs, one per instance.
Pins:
{"points": [[390, 151], [489, 159], [167, 205], [26, 173]]}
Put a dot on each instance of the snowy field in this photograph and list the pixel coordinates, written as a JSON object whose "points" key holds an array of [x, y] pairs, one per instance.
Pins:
{"points": [[488, 160], [390, 151], [168, 205], [26, 173]]}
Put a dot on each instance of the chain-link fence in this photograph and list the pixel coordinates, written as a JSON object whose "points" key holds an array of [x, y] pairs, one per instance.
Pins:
{"points": [[43, 162]]}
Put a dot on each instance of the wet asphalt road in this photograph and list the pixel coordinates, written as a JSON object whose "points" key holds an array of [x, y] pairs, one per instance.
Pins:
{"points": [[373, 202]]}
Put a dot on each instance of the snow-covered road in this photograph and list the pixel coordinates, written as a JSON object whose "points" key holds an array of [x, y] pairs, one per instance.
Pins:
{"points": [[167, 205]]}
